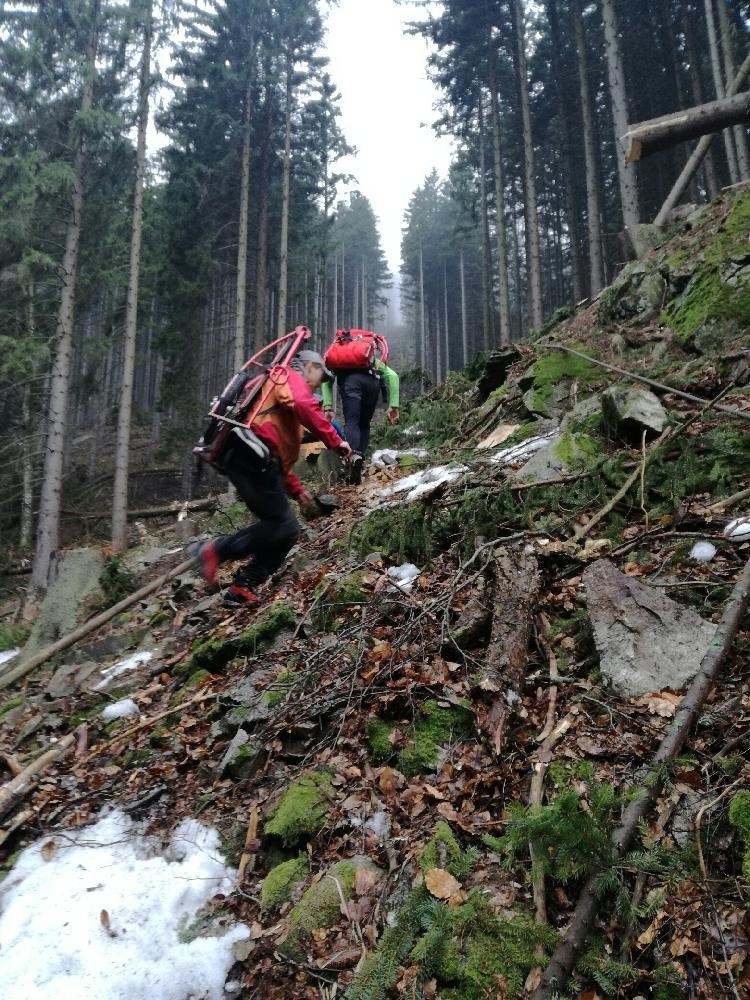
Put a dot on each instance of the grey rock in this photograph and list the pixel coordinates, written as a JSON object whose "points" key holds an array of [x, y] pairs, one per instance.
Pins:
{"points": [[646, 642], [629, 410], [73, 588], [645, 236], [543, 464]]}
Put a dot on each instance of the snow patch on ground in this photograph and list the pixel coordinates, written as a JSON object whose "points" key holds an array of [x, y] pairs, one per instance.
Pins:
{"points": [[738, 530], [520, 452], [386, 457], [97, 914], [404, 575], [421, 482], [703, 552], [8, 654], [121, 667], [120, 710]]}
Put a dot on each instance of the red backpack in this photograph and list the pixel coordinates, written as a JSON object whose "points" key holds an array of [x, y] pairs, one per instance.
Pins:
{"points": [[354, 350]]}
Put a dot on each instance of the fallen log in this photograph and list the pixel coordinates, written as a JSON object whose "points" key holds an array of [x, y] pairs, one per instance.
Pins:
{"points": [[15, 789], [569, 948], [93, 623], [696, 157], [208, 503], [516, 583], [649, 137]]}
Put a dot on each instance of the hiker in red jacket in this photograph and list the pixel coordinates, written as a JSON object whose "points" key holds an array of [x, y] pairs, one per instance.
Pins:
{"points": [[265, 485]]}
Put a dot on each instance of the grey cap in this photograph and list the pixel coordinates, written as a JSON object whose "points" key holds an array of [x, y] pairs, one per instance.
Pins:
{"points": [[306, 356]]}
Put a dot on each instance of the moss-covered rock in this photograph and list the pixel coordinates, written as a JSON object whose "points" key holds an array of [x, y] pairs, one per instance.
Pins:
{"points": [[433, 729], [214, 654], [303, 809], [552, 377], [739, 817], [320, 906], [279, 884], [378, 737], [719, 287]]}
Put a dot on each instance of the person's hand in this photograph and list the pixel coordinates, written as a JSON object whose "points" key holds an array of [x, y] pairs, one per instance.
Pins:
{"points": [[328, 413], [306, 500], [393, 414], [344, 450]]}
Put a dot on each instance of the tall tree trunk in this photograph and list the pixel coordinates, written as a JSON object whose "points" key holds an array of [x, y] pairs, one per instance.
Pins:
{"points": [[48, 526], [533, 259], [445, 320], [335, 292], [28, 452], [241, 303], [487, 311], [593, 210], [739, 131], [422, 329], [618, 99], [713, 48], [565, 131], [709, 167], [284, 244], [124, 416], [464, 330], [500, 231], [260, 326]]}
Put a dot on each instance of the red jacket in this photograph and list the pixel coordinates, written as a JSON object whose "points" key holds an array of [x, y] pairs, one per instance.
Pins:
{"points": [[287, 411]]}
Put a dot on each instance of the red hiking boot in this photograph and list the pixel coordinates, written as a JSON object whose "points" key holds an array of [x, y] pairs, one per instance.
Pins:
{"points": [[240, 597], [207, 561]]}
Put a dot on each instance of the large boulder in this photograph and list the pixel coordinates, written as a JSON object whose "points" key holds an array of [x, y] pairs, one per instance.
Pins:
{"points": [[629, 410], [646, 642], [72, 592]]}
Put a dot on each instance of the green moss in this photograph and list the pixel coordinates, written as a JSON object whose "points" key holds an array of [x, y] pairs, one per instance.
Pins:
{"points": [[337, 594], [280, 688], [214, 654], [739, 817], [195, 680], [554, 366], [434, 728], [13, 636], [467, 949], [9, 705], [481, 950], [402, 532], [115, 581], [159, 619], [378, 732], [577, 450], [303, 809], [444, 851], [229, 519], [320, 905], [278, 885], [707, 296]]}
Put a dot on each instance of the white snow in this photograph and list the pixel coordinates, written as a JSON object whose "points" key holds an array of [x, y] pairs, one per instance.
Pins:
{"points": [[389, 456], [422, 482], [703, 552], [520, 452], [8, 654], [404, 575], [96, 914], [120, 710], [121, 667], [738, 530]]}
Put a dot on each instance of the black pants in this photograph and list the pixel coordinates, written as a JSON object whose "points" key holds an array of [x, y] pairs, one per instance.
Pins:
{"points": [[359, 397], [268, 540]]}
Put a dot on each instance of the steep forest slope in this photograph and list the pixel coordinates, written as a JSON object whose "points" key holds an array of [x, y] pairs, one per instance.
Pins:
{"points": [[431, 738]]}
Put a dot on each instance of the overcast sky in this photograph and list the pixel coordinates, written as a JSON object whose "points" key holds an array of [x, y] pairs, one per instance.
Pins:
{"points": [[387, 108]]}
